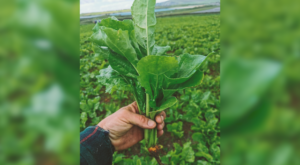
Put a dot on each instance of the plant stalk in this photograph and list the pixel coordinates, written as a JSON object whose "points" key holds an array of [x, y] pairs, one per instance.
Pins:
{"points": [[146, 132], [150, 134], [147, 106]]}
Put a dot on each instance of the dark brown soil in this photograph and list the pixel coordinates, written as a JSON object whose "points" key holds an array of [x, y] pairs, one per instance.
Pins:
{"points": [[170, 52]]}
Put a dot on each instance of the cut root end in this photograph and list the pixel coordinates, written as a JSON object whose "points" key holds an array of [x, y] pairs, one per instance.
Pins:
{"points": [[154, 153], [154, 149]]}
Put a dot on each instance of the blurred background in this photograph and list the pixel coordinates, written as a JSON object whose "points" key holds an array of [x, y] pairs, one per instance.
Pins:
{"points": [[39, 82], [260, 82]]}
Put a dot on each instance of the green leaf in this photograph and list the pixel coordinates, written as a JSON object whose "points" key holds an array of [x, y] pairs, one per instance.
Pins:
{"points": [[215, 151], [201, 147], [203, 152], [204, 98], [202, 162], [168, 92], [198, 124], [178, 133], [83, 118], [165, 160], [176, 129], [211, 120], [173, 81], [116, 40], [112, 79], [175, 159], [138, 162], [99, 37], [122, 65], [188, 153], [166, 104], [198, 137], [184, 154], [188, 65], [177, 147], [152, 70], [136, 46], [153, 162], [84, 106], [125, 25], [182, 162], [195, 80], [100, 52], [160, 50], [144, 19], [139, 94], [117, 157], [244, 83], [114, 23]]}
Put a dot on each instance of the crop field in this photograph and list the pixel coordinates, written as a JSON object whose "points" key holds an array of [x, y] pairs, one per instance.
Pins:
{"points": [[178, 12], [192, 131]]}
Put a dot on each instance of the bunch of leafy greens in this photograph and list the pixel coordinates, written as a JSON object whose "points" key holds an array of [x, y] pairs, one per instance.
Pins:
{"points": [[136, 63]]}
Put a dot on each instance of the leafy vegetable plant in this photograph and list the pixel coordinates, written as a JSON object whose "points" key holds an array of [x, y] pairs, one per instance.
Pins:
{"points": [[176, 129], [181, 155], [138, 65]]}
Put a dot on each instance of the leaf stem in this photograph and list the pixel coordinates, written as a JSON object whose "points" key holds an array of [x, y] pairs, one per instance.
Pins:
{"points": [[135, 97], [146, 133], [147, 106]]}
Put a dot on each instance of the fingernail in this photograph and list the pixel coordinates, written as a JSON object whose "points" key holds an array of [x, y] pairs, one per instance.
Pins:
{"points": [[162, 117], [151, 122]]}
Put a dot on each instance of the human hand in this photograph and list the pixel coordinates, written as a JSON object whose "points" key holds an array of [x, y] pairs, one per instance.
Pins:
{"points": [[126, 126]]}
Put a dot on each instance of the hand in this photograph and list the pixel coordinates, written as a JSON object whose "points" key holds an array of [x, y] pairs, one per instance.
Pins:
{"points": [[126, 126]]}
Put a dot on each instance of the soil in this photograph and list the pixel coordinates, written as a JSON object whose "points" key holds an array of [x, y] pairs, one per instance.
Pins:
{"points": [[170, 52]]}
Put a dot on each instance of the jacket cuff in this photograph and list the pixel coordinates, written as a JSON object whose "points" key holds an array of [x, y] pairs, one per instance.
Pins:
{"points": [[95, 146]]}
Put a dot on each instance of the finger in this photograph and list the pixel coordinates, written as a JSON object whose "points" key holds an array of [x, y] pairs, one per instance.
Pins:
{"points": [[160, 132], [133, 107], [141, 121], [161, 126], [129, 139], [160, 117]]}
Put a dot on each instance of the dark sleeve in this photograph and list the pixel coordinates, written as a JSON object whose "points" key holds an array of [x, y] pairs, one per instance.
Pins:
{"points": [[95, 147]]}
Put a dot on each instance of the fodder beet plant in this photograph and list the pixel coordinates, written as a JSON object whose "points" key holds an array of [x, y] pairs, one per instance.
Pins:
{"points": [[136, 62]]}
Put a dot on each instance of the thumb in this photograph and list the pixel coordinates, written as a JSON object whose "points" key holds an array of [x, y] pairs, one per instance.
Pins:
{"points": [[141, 121]]}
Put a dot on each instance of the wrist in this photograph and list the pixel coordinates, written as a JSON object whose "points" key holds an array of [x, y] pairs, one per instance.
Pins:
{"points": [[102, 125]]}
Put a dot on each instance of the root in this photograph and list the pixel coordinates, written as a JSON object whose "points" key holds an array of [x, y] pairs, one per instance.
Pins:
{"points": [[158, 159], [154, 153]]}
